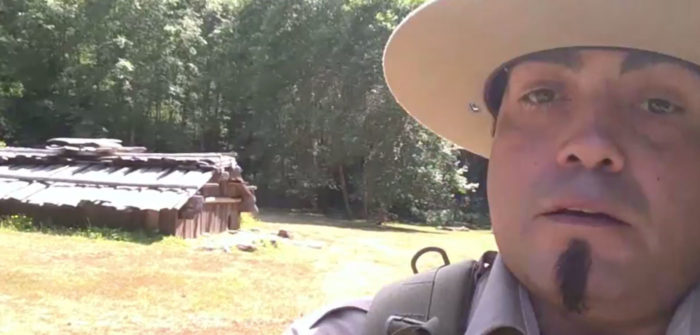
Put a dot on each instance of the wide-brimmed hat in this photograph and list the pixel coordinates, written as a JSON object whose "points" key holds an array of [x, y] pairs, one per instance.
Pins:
{"points": [[438, 61]]}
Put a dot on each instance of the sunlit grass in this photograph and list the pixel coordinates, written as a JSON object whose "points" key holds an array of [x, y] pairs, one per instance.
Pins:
{"points": [[75, 284]]}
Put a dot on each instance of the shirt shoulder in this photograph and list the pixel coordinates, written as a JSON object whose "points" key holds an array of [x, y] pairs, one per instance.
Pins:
{"points": [[345, 318]]}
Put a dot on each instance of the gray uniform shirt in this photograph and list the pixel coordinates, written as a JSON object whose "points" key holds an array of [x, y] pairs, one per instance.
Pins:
{"points": [[499, 302]]}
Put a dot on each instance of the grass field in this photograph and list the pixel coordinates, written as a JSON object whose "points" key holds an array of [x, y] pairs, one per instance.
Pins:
{"points": [[77, 285]]}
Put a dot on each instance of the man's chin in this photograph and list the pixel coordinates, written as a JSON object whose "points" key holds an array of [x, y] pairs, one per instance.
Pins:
{"points": [[614, 245], [605, 282]]}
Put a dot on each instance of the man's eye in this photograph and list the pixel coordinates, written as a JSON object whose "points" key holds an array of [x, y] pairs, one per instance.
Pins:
{"points": [[661, 106], [539, 96]]}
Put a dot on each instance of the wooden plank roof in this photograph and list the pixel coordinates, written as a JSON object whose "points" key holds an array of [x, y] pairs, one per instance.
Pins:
{"points": [[71, 172], [121, 187]]}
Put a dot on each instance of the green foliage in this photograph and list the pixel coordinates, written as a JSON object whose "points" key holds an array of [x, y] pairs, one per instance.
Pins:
{"points": [[25, 224], [295, 87], [16, 222]]}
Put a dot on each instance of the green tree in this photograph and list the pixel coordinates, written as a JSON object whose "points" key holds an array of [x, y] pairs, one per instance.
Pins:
{"points": [[295, 87]]}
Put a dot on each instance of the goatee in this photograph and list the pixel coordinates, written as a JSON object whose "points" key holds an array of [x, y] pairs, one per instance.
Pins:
{"points": [[572, 271]]}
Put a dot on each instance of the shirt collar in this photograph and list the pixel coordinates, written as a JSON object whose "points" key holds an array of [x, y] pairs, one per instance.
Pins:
{"points": [[687, 316], [501, 302]]}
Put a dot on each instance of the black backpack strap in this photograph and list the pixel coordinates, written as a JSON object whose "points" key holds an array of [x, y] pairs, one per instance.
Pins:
{"points": [[316, 319], [436, 302]]}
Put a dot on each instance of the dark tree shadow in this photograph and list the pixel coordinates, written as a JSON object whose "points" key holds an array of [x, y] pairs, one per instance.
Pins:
{"points": [[315, 219]]}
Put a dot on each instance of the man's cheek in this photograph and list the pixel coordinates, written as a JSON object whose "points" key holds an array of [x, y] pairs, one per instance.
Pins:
{"points": [[523, 146], [675, 208], [506, 192], [672, 187]]}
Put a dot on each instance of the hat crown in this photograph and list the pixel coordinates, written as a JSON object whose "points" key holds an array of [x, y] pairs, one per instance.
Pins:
{"points": [[440, 57]]}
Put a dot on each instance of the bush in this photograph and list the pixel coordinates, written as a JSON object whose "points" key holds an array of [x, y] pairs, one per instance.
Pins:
{"points": [[25, 224], [17, 223], [478, 220], [440, 217], [455, 217]]}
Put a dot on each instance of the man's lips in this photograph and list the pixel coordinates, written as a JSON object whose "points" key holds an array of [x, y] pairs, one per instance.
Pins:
{"points": [[584, 213], [567, 216]]}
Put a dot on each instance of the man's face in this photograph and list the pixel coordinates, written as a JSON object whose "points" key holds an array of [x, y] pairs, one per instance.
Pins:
{"points": [[602, 148]]}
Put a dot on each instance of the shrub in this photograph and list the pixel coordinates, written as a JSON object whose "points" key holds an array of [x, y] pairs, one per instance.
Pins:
{"points": [[25, 224], [17, 223]]}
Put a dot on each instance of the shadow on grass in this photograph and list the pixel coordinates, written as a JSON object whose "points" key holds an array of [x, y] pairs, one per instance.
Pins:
{"points": [[300, 218], [25, 224]]}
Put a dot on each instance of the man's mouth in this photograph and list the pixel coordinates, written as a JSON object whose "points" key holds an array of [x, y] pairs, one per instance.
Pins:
{"points": [[582, 216]]}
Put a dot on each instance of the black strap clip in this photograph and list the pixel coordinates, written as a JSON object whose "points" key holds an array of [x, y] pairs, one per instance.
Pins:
{"points": [[423, 251], [401, 325]]}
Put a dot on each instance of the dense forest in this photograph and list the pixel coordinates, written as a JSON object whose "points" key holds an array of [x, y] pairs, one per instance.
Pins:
{"points": [[294, 87]]}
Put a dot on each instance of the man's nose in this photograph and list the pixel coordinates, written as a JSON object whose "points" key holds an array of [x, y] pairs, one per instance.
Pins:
{"points": [[591, 145]]}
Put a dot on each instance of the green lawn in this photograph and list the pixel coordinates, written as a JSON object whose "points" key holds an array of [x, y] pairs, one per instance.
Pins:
{"points": [[68, 284]]}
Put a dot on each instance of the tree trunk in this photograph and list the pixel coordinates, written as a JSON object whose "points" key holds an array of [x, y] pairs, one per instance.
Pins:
{"points": [[203, 123], [132, 128], [344, 189], [366, 193]]}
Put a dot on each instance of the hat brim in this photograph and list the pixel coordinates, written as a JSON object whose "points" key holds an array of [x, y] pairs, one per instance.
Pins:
{"points": [[440, 57]]}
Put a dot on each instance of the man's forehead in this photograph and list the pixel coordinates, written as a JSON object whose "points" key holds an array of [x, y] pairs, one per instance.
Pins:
{"points": [[572, 58]]}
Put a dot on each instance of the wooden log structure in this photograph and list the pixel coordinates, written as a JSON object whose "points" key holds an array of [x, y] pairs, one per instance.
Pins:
{"points": [[207, 196]]}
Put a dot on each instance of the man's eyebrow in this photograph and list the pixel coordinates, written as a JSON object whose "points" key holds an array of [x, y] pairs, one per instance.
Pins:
{"points": [[569, 57], [637, 60]]}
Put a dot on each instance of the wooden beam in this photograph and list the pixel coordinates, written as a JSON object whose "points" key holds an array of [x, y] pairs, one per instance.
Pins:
{"points": [[235, 189], [222, 200], [230, 189], [194, 206], [210, 190], [50, 179]]}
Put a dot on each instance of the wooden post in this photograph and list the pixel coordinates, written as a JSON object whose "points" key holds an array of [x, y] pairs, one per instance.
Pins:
{"points": [[150, 219], [167, 222], [230, 189], [234, 217], [194, 206]]}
